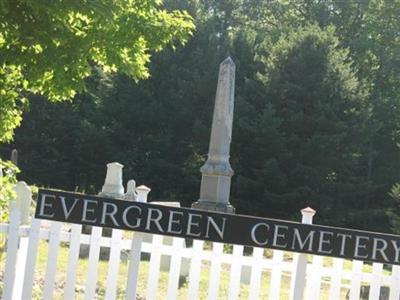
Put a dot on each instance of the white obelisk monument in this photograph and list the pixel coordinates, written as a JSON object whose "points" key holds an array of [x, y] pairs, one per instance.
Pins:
{"points": [[217, 171]]}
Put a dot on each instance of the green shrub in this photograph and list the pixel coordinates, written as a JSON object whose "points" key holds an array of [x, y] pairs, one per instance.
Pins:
{"points": [[8, 179]]}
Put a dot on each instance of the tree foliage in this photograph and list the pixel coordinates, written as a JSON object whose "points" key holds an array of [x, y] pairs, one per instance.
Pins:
{"points": [[7, 181], [313, 105], [48, 47]]}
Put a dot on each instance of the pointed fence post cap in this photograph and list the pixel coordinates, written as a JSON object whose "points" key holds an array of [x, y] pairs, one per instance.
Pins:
{"points": [[142, 192], [308, 210], [307, 215], [143, 188]]}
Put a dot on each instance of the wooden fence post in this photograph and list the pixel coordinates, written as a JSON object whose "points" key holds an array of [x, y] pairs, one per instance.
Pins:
{"points": [[300, 262], [134, 254], [11, 253], [24, 199], [195, 269], [19, 214], [73, 260], [394, 285], [235, 272]]}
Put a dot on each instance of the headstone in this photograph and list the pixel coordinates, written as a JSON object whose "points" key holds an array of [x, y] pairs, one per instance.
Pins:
{"points": [[14, 157], [217, 171], [23, 200], [112, 188], [131, 191], [113, 183]]}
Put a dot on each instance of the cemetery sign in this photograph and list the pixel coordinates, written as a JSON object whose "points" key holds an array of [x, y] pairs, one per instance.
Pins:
{"points": [[218, 227]]}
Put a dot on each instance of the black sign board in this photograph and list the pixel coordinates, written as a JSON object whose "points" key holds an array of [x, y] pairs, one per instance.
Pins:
{"points": [[218, 227]]}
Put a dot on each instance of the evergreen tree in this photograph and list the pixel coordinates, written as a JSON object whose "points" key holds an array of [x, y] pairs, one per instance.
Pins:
{"points": [[313, 118]]}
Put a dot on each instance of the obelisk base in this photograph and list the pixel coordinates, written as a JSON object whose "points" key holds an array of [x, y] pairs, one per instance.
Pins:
{"points": [[214, 206], [215, 189]]}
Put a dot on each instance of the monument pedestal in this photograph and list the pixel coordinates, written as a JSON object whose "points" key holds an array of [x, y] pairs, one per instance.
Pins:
{"points": [[215, 187], [214, 206]]}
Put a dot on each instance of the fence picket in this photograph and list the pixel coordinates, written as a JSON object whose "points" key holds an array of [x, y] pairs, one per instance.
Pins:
{"points": [[215, 270], [195, 268], [395, 286], [134, 262], [30, 263], [20, 267], [356, 280], [94, 252], [113, 264], [375, 285], [154, 269], [313, 288], [175, 267], [299, 272], [298, 276], [236, 268], [11, 254], [336, 279], [276, 274], [54, 241], [73, 257], [256, 271]]}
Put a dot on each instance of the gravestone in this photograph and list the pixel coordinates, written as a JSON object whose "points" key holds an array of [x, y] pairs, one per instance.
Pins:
{"points": [[217, 171], [112, 188], [14, 157]]}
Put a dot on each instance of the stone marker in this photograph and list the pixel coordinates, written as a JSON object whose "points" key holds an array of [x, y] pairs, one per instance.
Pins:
{"points": [[14, 157], [217, 171], [113, 183], [131, 191], [112, 188], [23, 200]]}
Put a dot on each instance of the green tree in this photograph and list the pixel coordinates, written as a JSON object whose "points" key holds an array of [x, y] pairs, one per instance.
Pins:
{"points": [[313, 115], [47, 48], [369, 30]]}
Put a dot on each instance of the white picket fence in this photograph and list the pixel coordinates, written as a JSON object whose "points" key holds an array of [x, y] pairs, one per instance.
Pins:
{"points": [[288, 275]]}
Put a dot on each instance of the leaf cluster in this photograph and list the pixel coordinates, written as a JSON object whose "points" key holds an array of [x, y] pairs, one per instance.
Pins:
{"points": [[48, 47], [8, 172]]}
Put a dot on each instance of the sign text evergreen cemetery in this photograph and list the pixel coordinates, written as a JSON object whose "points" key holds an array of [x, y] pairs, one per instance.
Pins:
{"points": [[218, 227]]}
